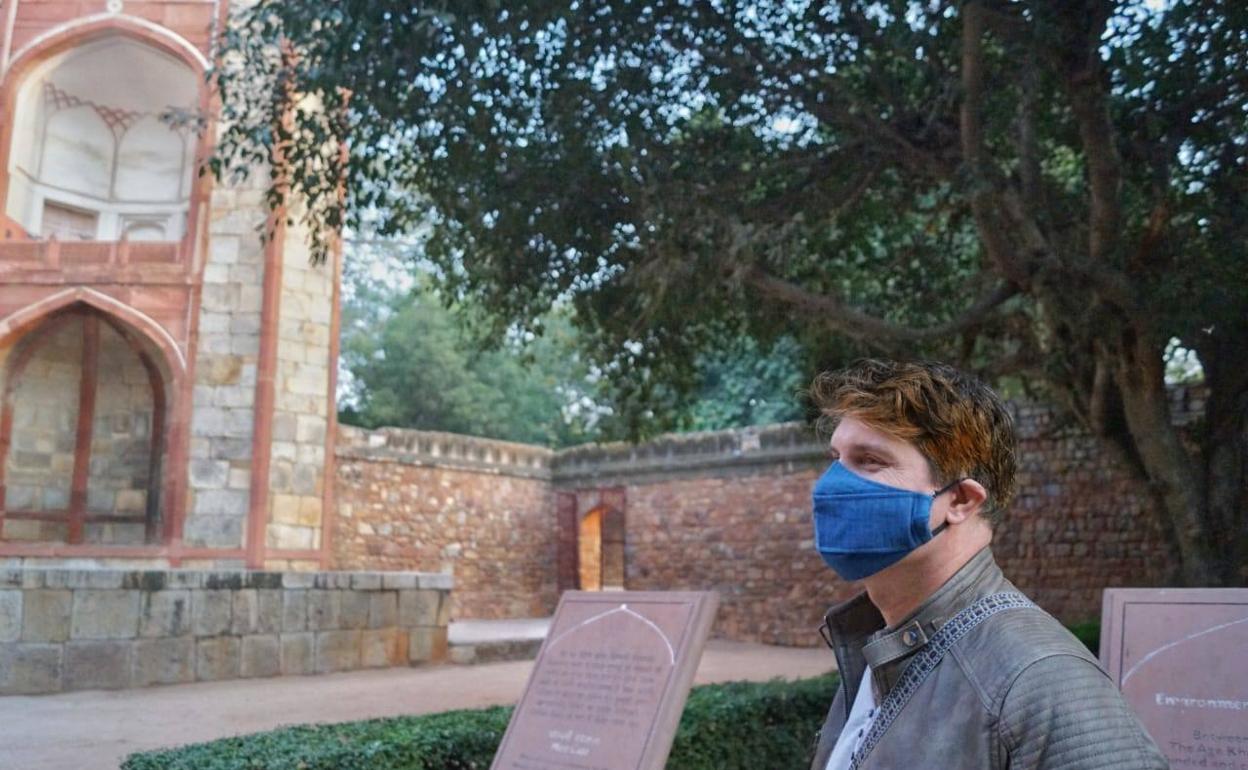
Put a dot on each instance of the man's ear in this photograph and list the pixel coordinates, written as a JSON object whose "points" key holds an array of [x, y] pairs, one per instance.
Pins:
{"points": [[969, 497]]}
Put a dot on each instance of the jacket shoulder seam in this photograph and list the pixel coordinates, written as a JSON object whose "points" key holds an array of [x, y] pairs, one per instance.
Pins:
{"points": [[969, 673], [1003, 725], [1043, 650]]}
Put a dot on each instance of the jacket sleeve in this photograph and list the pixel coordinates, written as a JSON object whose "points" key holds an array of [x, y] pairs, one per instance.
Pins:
{"points": [[1064, 713]]}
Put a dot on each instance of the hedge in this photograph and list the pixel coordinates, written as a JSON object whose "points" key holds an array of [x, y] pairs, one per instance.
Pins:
{"points": [[733, 726], [1089, 633]]}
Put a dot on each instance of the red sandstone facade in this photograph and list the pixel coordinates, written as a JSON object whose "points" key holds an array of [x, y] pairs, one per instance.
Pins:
{"points": [[108, 232]]}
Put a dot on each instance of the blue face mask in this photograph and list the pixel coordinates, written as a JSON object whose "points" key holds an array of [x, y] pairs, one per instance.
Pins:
{"points": [[862, 526]]}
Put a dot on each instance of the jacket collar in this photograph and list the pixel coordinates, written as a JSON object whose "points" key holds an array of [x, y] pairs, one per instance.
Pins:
{"points": [[859, 635]]}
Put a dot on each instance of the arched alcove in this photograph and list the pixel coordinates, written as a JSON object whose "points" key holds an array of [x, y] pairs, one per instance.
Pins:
{"points": [[82, 432], [92, 156]]}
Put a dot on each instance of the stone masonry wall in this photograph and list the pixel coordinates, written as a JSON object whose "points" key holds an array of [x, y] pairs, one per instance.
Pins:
{"points": [[219, 477], [301, 404], [726, 511], [120, 469], [1079, 524], [40, 464], [64, 629], [747, 537], [475, 508]]}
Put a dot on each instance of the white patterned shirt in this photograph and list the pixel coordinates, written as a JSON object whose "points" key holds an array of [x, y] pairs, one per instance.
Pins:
{"points": [[856, 727]]}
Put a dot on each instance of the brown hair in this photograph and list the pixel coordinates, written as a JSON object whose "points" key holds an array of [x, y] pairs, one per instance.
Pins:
{"points": [[958, 423]]}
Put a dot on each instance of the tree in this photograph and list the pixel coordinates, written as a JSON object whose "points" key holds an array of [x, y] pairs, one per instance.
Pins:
{"points": [[1049, 189], [410, 361], [742, 384]]}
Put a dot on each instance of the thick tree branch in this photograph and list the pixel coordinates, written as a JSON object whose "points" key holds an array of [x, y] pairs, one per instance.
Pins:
{"points": [[1005, 21], [1096, 134], [1028, 154], [971, 117], [991, 223], [861, 326], [828, 203], [841, 109]]}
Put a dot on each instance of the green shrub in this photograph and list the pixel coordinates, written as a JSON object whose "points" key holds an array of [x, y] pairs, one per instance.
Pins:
{"points": [[724, 727], [1089, 633], [455, 740], [748, 726]]}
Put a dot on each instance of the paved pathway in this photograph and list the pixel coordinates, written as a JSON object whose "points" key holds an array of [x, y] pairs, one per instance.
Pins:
{"points": [[95, 730]]}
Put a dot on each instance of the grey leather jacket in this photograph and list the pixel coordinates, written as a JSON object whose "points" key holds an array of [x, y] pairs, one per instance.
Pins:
{"points": [[1018, 691]]}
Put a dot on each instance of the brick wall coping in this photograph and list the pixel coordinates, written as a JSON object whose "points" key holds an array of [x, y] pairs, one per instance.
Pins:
{"points": [[160, 579], [666, 456], [444, 450], [679, 454]]}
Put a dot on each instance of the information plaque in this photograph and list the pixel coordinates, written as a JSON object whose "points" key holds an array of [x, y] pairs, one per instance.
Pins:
{"points": [[1180, 657], [609, 683]]}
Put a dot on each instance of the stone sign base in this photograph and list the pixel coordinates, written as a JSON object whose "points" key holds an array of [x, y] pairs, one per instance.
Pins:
{"points": [[74, 629]]}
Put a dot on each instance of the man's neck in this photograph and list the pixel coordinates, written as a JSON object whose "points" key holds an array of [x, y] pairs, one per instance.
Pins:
{"points": [[899, 590]]}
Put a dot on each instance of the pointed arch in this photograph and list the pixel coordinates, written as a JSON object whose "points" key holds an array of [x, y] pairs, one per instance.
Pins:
{"points": [[81, 30], [628, 613], [18, 322], [110, 357]]}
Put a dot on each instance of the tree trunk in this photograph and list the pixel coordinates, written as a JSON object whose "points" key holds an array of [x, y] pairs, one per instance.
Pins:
{"points": [[1225, 446], [1227, 478], [1176, 478]]}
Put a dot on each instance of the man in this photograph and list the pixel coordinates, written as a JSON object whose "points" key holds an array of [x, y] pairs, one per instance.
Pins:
{"points": [[944, 664]]}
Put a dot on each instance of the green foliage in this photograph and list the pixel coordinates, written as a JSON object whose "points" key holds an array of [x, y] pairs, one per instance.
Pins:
{"points": [[741, 383], [454, 740], [674, 169], [410, 360], [413, 362], [1051, 191], [734, 726], [748, 726]]}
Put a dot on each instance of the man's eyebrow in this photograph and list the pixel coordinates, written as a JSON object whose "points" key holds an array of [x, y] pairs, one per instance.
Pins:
{"points": [[862, 446]]}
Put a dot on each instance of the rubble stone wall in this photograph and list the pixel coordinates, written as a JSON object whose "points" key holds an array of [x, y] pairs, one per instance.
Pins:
{"points": [[475, 508], [727, 511]]}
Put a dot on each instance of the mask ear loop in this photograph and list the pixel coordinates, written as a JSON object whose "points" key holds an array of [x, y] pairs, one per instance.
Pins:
{"points": [[937, 494]]}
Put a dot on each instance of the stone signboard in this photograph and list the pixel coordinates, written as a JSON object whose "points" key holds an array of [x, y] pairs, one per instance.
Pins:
{"points": [[610, 682], [1180, 657]]}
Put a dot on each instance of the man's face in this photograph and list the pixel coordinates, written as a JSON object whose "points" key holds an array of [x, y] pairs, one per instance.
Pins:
{"points": [[885, 459]]}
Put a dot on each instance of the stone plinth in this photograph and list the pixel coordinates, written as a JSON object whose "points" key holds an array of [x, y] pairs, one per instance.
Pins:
{"points": [[67, 629]]}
